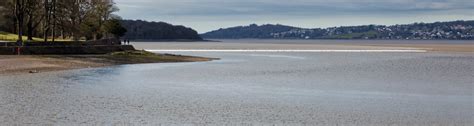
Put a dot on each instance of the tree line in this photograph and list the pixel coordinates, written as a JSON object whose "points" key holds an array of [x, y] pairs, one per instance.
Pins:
{"points": [[66, 19], [145, 30]]}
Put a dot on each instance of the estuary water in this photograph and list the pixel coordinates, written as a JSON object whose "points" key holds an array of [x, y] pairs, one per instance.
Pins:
{"points": [[329, 41], [252, 88]]}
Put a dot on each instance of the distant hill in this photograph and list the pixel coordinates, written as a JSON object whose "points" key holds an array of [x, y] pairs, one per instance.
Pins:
{"points": [[455, 30], [144, 30], [251, 31]]}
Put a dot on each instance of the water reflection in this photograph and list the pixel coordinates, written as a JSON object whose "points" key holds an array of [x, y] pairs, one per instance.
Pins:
{"points": [[375, 88]]}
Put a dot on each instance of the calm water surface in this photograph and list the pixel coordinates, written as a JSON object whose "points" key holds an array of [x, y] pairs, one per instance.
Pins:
{"points": [[252, 88]]}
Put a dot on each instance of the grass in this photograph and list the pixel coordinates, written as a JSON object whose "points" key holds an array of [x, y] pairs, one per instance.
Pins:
{"points": [[5, 36], [132, 53], [132, 57], [140, 56]]}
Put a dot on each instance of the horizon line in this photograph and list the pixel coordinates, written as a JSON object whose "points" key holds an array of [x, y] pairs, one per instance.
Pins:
{"points": [[284, 50]]}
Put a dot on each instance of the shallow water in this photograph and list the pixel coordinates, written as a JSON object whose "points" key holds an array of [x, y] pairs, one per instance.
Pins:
{"points": [[322, 41], [252, 88]]}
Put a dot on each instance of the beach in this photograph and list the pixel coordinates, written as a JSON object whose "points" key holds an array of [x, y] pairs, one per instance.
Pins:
{"points": [[242, 45], [24, 64], [28, 64], [11, 64]]}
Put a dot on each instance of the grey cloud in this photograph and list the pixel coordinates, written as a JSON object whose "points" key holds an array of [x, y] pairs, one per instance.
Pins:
{"points": [[210, 7], [275, 11]]}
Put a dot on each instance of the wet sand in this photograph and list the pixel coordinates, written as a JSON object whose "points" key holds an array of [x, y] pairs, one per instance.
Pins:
{"points": [[254, 46], [25, 64], [13, 65], [304, 46], [433, 47]]}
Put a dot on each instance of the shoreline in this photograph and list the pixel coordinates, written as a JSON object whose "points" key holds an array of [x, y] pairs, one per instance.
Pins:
{"points": [[174, 40], [13, 64], [458, 48], [31, 64], [303, 51], [317, 47]]}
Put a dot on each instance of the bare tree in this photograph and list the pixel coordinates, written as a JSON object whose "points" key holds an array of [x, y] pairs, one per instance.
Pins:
{"points": [[49, 22], [3, 12], [34, 16], [75, 19], [19, 11], [104, 10]]}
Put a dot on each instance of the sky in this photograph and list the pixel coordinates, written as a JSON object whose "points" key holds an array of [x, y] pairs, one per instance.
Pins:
{"points": [[208, 15]]}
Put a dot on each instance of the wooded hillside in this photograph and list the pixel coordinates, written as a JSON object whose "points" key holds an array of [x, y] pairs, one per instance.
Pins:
{"points": [[144, 30]]}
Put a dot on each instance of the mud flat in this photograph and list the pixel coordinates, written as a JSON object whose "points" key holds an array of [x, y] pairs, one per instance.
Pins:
{"points": [[464, 47], [12, 64]]}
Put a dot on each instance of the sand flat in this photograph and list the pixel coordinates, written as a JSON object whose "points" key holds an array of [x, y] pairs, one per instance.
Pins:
{"points": [[305, 46], [12, 64], [433, 47], [254, 46], [25, 64]]}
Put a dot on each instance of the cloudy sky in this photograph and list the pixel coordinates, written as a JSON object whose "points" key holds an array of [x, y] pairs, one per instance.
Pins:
{"points": [[207, 15]]}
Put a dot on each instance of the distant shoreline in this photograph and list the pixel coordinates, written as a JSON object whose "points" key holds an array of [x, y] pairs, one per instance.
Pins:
{"points": [[289, 46], [458, 48], [211, 39], [340, 39], [346, 41], [172, 40]]}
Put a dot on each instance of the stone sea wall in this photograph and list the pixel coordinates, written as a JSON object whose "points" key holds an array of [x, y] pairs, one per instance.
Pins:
{"points": [[63, 48]]}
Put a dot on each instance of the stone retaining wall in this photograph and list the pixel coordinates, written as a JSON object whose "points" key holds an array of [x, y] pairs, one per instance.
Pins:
{"points": [[66, 43], [64, 50]]}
